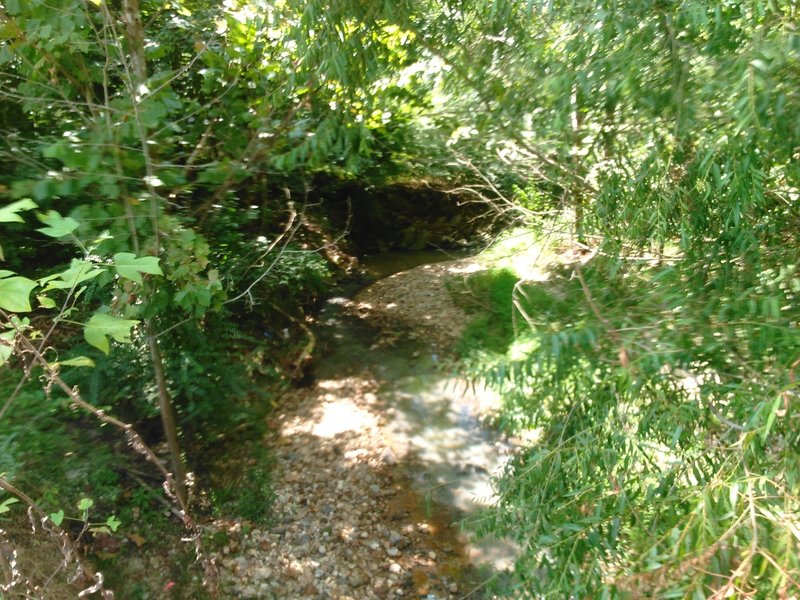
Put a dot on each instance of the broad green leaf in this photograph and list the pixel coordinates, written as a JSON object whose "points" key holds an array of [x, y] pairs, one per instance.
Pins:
{"points": [[78, 272], [6, 339], [102, 325], [8, 213], [12, 7], [15, 293], [131, 267], [57, 517], [57, 226], [46, 302], [85, 504], [6, 503], [113, 523], [78, 361]]}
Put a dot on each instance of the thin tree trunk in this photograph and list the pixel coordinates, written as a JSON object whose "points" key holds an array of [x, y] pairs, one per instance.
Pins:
{"points": [[134, 32], [167, 410]]}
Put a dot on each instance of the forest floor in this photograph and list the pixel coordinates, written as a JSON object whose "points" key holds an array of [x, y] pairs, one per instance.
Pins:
{"points": [[347, 521]]}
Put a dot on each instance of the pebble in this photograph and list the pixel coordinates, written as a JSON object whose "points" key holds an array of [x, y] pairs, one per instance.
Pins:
{"points": [[388, 457]]}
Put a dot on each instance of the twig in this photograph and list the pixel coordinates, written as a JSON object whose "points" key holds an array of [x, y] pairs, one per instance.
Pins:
{"points": [[68, 548]]}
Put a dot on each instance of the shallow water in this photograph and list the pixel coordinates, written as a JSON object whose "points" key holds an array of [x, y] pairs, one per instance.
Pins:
{"points": [[378, 266], [437, 438]]}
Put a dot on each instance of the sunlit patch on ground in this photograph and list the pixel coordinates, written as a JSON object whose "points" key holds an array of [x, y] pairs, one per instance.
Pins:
{"points": [[336, 413], [464, 267]]}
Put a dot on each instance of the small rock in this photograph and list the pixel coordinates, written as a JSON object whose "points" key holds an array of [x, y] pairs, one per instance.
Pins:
{"points": [[388, 457], [392, 551], [395, 538], [395, 568]]}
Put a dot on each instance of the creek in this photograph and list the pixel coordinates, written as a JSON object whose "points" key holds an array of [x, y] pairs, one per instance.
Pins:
{"points": [[431, 415]]}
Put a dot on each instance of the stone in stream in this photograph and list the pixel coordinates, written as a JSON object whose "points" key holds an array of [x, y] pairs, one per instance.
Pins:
{"points": [[388, 457], [358, 580]]}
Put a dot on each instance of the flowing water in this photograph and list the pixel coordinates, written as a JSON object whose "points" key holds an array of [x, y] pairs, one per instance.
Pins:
{"points": [[431, 415]]}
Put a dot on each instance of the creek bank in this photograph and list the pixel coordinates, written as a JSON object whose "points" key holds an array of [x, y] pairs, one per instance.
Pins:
{"points": [[401, 215]]}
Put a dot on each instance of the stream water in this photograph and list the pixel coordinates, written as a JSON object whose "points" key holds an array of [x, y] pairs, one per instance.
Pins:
{"points": [[440, 445]]}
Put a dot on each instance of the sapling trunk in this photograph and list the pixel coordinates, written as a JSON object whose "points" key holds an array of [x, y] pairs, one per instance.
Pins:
{"points": [[167, 410]]}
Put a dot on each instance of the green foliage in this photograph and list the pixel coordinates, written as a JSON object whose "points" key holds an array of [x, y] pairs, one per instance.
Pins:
{"points": [[15, 292], [35, 430], [665, 450], [249, 497], [658, 378], [489, 294], [101, 326]]}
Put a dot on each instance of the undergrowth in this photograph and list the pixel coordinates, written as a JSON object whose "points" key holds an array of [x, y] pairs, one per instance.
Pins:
{"points": [[487, 298]]}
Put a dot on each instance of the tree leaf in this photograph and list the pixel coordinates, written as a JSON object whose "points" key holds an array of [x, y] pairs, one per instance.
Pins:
{"points": [[773, 411], [113, 523], [102, 325], [78, 272], [131, 267], [15, 293], [6, 340], [8, 213], [46, 302], [57, 226], [12, 7], [6, 503], [57, 517], [78, 361]]}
